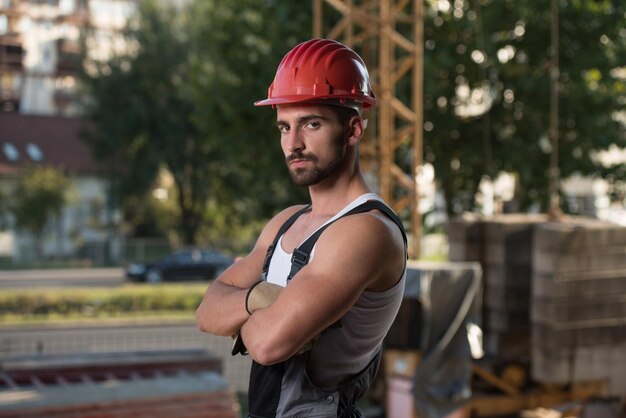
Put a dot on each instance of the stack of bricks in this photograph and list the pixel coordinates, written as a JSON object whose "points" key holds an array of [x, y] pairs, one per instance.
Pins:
{"points": [[503, 245], [466, 238], [508, 272], [578, 305]]}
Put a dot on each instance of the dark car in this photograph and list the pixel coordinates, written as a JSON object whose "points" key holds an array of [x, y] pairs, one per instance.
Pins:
{"points": [[181, 265]]}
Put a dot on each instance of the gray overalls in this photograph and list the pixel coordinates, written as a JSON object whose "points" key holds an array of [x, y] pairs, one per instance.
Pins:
{"points": [[286, 389]]}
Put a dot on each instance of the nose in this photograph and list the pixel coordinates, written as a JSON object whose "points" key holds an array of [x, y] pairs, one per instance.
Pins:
{"points": [[293, 141]]}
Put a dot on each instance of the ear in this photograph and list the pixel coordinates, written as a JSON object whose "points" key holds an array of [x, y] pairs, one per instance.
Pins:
{"points": [[356, 129]]}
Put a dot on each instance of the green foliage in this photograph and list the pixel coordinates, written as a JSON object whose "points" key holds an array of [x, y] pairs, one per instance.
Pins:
{"points": [[100, 303], [40, 194], [183, 101], [504, 47]]}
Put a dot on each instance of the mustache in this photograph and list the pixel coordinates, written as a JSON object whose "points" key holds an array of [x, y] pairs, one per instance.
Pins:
{"points": [[300, 156]]}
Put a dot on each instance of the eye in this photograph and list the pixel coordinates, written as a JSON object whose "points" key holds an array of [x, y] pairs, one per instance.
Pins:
{"points": [[313, 125], [283, 128]]}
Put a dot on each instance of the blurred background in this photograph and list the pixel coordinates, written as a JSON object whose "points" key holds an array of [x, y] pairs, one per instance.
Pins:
{"points": [[132, 157]]}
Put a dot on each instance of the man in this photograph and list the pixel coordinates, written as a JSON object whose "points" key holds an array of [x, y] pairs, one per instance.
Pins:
{"points": [[314, 299]]}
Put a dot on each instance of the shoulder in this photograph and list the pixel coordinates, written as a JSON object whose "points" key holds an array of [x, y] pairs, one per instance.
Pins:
{"points": [[368, 242], [374, 227]]}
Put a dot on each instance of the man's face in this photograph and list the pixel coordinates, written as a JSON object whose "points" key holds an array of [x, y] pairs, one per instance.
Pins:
{"points": [[313, 140]]}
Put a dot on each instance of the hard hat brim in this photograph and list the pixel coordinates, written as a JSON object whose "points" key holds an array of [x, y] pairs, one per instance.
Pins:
{"points": [[366, 101]]}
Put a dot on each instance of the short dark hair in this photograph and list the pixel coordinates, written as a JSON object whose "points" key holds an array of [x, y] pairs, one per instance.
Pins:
{"points": [[344, 113]]}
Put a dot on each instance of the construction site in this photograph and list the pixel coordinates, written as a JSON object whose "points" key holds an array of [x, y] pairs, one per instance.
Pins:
{"points": [[526, 317]]}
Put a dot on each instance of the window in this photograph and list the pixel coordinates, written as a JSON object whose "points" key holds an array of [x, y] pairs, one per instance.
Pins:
{"points": [[11, 152], [34, 152]]}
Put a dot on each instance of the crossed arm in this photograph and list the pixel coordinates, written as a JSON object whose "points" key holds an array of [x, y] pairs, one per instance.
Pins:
{"points": [[223, 310], [357, 253]]}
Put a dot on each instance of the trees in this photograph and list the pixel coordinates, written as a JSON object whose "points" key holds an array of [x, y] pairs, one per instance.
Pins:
{"points": [[140, 113], [183, 101], [486, 100], [39, 196]]}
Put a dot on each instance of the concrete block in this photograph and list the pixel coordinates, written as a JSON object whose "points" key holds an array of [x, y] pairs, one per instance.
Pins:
{"points": [[578, 235], [503, 321], [466, 238], [509, 238], [510, 276], [580, 364], [578, 310], [502, 299], [591, 284], [573, 265], [467, 227], [508, 253], [465, 251], [578, 334]]}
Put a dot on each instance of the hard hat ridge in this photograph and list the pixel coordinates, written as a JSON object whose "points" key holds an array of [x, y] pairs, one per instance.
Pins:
{"points": [[321, 69]]}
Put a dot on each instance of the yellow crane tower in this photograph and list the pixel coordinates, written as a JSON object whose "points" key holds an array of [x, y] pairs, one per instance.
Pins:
{"points": [[389, 36]]}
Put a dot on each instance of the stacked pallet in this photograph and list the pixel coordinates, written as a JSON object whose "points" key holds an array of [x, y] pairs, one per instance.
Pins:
{"points": [[466, 238], [508, 271], [578, 306], [503, 245]]}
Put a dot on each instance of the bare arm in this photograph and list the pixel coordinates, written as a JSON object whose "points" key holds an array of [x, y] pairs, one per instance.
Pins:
{"points": [[222, 310], [357, 253]]}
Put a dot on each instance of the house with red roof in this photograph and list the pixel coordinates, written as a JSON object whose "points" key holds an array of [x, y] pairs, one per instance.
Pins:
{"points": [[54, 141], [40, 109]]}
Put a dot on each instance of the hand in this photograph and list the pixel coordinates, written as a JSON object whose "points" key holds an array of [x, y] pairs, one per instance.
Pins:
{"points": [[262, 295]]}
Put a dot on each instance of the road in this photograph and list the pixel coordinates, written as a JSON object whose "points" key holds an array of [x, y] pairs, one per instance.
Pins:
{"points": [[86, 277]]}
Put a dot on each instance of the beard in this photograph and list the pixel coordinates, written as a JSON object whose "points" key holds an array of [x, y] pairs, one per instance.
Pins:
{"points": [[314, 172]]}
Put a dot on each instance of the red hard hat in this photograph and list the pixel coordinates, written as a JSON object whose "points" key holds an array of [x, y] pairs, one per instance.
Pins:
{"points": [[321, 69]]}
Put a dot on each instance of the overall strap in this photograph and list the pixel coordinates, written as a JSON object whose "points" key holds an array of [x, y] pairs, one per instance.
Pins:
{"points": [[302, 254], [281, 231]]}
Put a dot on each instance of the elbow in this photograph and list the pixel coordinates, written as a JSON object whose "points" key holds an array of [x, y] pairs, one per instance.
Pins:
{"points": [[266, 357], [201, 322], [205, 324], [267, 352]]}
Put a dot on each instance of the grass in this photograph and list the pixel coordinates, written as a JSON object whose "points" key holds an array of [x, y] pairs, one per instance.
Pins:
{"points": [[131, 302]]}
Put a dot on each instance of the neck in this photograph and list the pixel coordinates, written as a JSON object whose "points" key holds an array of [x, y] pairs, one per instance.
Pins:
{"points": [[333, 194]]}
